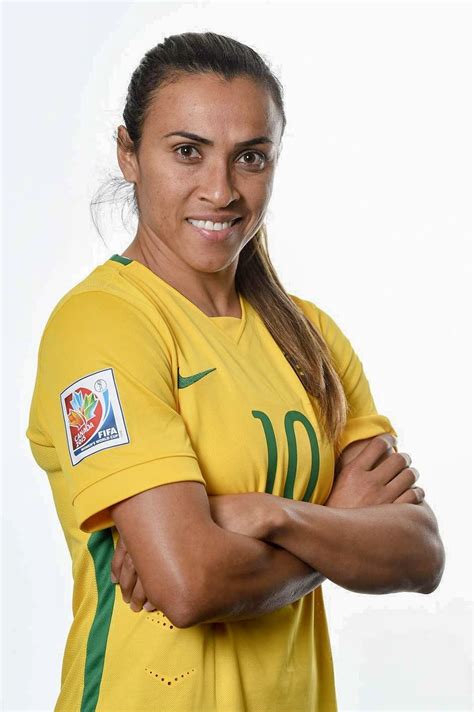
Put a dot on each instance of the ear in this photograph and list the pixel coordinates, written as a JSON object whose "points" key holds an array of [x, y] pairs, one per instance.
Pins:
{"points": [[126, 156]]}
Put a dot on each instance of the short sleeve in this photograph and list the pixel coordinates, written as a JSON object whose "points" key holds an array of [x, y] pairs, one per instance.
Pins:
{"points": [[363, 420], [107, 400]]}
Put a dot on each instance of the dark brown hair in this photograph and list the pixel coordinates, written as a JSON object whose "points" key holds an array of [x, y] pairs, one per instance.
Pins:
{"points": [[256, 278]]}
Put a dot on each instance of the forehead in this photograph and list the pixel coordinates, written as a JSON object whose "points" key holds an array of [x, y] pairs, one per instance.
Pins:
{"points": [[206, 103]]}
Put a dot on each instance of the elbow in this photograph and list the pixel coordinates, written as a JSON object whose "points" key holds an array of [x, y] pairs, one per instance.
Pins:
{"points": [[193, 585], [197, 609], [430, 548], [181, 602], [179, 612], [437, 561], [429, 586], [201, 604], [182, 617]]}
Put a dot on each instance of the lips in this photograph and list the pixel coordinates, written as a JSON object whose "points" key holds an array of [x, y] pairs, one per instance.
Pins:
{"points": [[216, 220], [214, 235]]}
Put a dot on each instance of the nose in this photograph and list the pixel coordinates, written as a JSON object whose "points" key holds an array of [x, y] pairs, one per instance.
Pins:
{"points": [[218, 184]]}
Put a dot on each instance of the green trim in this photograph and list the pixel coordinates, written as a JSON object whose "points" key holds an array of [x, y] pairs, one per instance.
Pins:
{"points": [[101, 548], [121, 259]]}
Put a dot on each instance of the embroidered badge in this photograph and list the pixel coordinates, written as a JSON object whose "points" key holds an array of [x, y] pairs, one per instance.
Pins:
{"points": [[93, 415]]}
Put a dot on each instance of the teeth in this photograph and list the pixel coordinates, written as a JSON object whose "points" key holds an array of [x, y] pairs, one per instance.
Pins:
{"points": [[208, 225]]}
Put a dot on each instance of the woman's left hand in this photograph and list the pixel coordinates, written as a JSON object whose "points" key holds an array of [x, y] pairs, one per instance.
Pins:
{"points": [[250, 513]]}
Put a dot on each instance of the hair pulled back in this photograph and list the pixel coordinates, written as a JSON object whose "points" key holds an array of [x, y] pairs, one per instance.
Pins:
{"points": [[256, 278]]}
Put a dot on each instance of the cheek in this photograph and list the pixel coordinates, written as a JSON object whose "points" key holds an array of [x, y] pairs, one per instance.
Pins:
{"points": [[258, 202], [259, 192], [165, 196]]}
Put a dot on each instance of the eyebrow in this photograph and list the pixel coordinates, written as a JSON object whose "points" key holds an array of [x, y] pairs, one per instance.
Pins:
{"points": [[200, 139]]}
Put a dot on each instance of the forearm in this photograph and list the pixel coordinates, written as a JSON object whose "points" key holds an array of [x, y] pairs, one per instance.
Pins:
{"points": [[247, 578], [378, 549]]}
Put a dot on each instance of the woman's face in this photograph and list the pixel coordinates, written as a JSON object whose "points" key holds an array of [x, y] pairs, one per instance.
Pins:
{"points": [[220, 172]]}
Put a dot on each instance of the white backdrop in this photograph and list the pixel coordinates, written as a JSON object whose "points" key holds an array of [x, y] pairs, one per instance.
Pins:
{"points": [[370, 219]]}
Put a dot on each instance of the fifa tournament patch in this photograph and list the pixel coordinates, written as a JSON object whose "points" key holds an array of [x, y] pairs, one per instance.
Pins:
{"points": [[93, 415]]}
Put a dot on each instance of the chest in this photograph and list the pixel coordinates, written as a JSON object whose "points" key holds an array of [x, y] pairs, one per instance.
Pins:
{"points": [[248, 416]]}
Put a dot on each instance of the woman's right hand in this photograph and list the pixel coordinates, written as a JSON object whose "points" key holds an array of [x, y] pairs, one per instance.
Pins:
{"points": [[123, 573], [362, 484]]}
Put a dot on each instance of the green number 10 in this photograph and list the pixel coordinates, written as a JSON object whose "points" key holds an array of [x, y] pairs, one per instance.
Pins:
{"points": [[290, 418]]}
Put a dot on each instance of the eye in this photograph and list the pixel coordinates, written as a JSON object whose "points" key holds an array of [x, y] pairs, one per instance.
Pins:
{"points": [[187, 146], [260, 155]]}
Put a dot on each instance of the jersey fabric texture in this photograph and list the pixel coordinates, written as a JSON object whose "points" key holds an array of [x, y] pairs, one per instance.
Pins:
{"points": [[137, 387]]}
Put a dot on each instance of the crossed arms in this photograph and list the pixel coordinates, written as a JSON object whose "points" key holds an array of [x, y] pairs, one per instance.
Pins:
{"points": [[234, 557]]}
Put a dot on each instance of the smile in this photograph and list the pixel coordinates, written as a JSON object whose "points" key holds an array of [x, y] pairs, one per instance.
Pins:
{"points": [[214, 232], [209, 225]]}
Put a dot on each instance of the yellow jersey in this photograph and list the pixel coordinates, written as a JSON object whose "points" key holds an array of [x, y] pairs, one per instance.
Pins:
{"points": [[137, 387]]}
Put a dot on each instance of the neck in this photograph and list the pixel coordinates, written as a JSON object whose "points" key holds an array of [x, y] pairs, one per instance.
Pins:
{"points": [[214, 293]]}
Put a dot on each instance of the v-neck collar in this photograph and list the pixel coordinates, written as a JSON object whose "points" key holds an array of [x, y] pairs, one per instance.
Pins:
{"points": [[232, 326]]}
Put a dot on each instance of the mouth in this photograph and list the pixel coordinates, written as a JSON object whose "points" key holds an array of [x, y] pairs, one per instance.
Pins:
{"points": [[215, 235]]}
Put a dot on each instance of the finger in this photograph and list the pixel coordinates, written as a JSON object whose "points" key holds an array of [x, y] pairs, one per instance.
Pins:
{"points": [[138, 597], [414, 495], [374, 450], [128, 578], [401, 483], [391, 467], [117, 561]]}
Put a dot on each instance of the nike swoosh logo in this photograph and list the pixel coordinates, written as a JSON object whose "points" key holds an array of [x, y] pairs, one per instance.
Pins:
{"points": [[185, 381]]}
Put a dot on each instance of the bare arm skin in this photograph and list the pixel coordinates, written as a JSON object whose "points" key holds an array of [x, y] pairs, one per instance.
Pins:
{"points": [[277, 577], [360, 542], [248, 577], [377, 549], [195, 571]]}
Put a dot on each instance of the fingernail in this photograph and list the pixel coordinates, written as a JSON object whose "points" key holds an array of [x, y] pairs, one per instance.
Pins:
{"points": [[389, 439], [149, 606], [113, 579], [415, 471]]}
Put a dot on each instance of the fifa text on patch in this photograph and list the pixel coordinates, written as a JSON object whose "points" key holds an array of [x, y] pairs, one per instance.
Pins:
{"points": [[93, 415]]}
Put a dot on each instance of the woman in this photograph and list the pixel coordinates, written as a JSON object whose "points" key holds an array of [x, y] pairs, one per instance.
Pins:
{"points": [[210, 439]]}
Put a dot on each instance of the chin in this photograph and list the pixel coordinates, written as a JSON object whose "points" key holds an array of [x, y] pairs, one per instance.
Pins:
{"points": [[210, 265]]}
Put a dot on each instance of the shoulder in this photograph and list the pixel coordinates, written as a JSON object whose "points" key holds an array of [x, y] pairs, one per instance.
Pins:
{"points": [[318, 317], [103, 289], [93, 314]]}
